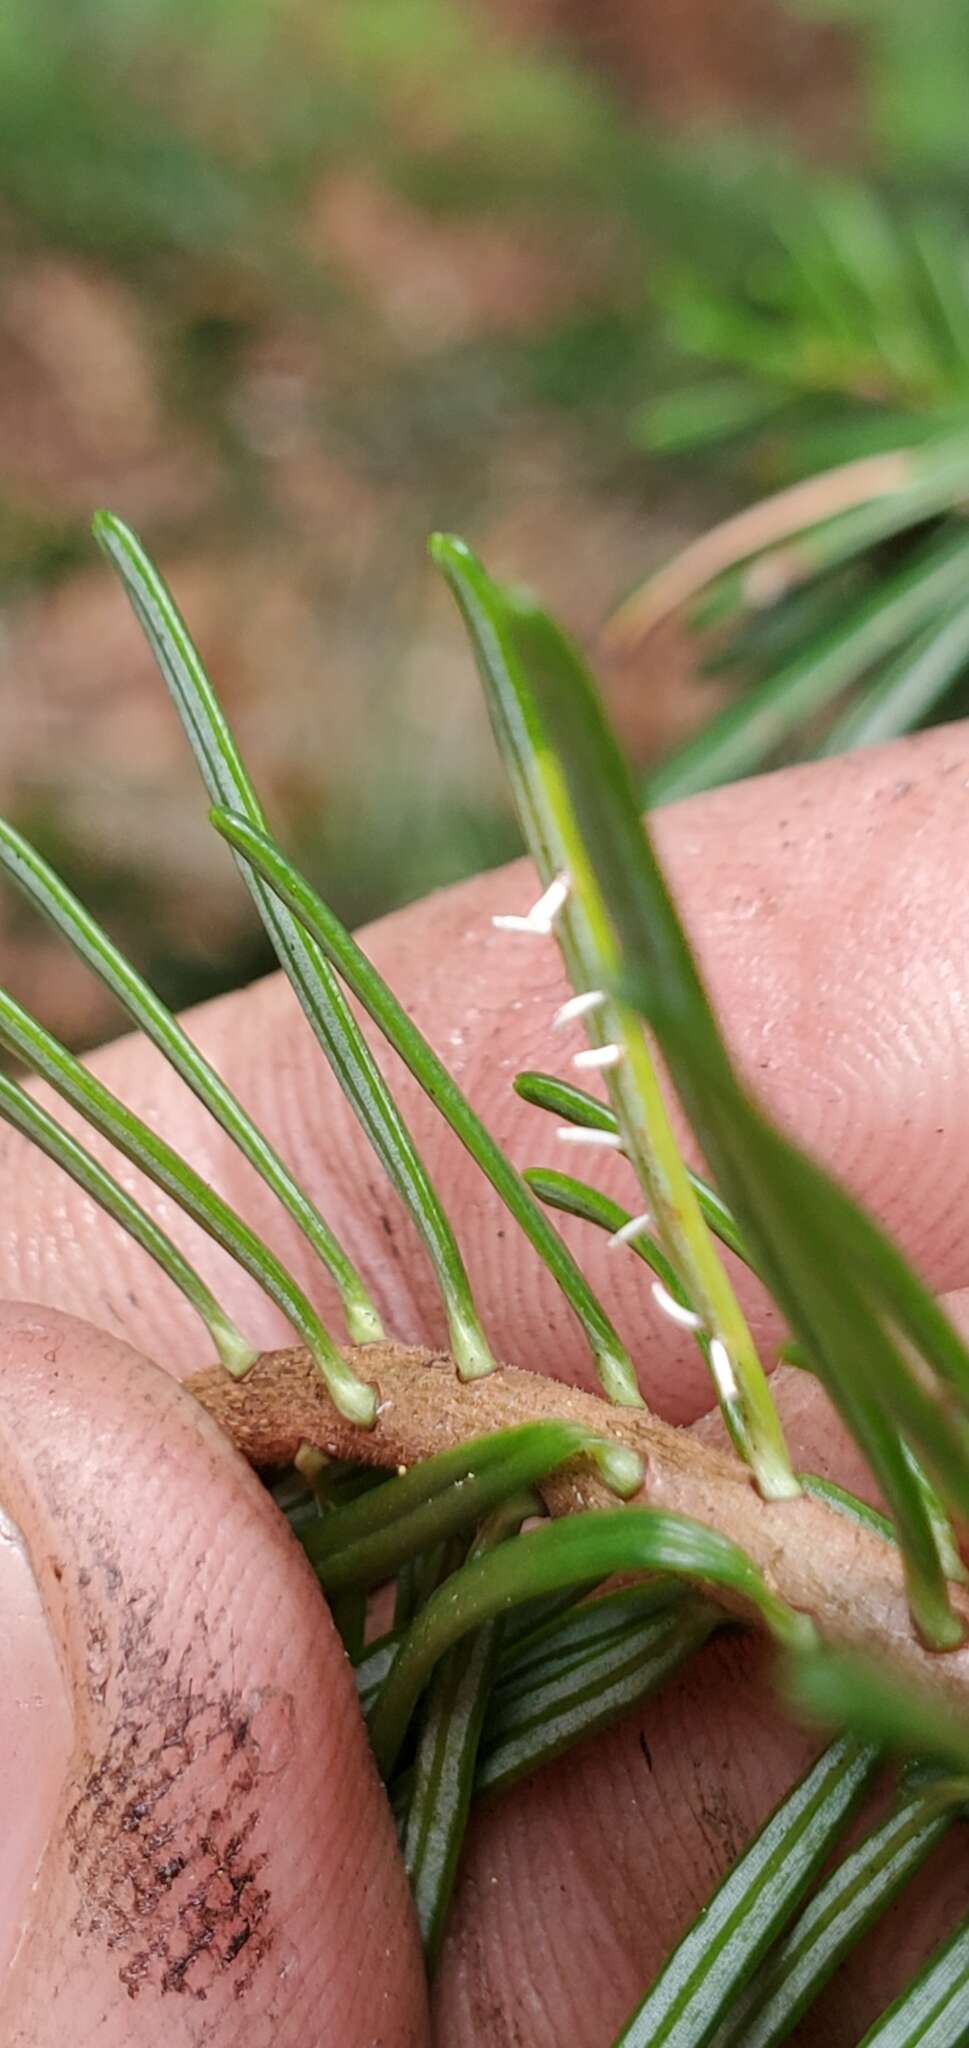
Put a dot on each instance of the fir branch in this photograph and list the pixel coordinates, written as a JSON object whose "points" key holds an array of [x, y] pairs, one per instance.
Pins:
{"points": [[847, 1577]]}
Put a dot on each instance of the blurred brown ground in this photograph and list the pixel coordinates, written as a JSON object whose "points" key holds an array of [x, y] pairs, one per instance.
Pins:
{"points": [[295, 544], [684, 59]]}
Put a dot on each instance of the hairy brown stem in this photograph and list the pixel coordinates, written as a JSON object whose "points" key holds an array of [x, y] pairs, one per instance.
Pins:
{"points": [[847, 1578]]}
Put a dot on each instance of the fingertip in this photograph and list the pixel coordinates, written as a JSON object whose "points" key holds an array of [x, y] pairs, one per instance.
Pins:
{"points": [[219, 1835]]}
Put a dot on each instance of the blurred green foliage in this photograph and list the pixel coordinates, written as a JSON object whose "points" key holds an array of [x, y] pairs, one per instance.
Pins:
{"points": [[916, 64], [158, 127], [181, 151], [831, 313], [392, 267]]}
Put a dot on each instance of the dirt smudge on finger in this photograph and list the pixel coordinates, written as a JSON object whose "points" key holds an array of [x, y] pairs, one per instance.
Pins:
{"points": [[162, 1830]]}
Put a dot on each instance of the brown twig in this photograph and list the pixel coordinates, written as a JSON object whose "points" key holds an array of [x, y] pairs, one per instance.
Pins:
{"points": [[764, 525], [846, 1577]]}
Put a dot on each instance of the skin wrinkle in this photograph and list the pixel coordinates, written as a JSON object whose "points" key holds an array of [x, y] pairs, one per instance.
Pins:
{"points": [[791, 890]]}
